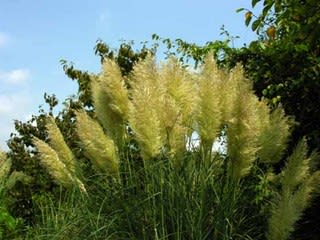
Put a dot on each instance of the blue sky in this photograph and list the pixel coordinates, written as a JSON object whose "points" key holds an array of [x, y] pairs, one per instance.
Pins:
{"points": [[36, 34]]}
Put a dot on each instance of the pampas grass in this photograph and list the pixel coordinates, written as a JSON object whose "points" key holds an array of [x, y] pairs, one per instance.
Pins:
{"points": [[165, 190]]}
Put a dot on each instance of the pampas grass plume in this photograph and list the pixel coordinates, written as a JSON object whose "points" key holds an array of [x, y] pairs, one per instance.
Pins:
{"points": [[5, 166], [50, 160], [111, 101], [98, 147], [59, 145]]}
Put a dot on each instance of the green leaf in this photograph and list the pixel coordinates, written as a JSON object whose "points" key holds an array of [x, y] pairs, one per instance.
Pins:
{"points": [[255, 24], [264, 92], [266, 9], [277, 6], [254, 2], [239, 10], [155, 36]]}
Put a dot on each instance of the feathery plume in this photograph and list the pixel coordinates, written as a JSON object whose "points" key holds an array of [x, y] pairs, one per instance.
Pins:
{"points": [[6, 180], [111, 101], [5, 166], [59, 145], [146, 124], [99, 148], [177, 141], [243, 127], [171, 125], [283, 216], [274, 135], [179, 104], [297, 167], [50, 160], [298, 184], [145, 73], [208, 115], [147, 101], [16, 176], [180, 87]]}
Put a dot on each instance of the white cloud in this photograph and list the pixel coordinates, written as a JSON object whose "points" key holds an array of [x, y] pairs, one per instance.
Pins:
{"points": [[15, 77], [15, 100], [4, 39], [12, 106]]}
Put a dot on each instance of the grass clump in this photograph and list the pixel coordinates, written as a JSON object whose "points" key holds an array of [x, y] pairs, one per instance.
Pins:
{"points": [[155, 181]]}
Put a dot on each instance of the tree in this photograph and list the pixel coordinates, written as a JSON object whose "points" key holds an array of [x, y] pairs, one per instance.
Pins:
{"points": [[288, 62]]}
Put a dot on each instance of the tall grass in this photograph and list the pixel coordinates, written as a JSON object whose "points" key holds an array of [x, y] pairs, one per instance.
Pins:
{"points": [[151, 185]]}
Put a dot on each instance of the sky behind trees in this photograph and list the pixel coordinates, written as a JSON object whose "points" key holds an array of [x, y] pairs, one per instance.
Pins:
{"points": [[36, 34]]}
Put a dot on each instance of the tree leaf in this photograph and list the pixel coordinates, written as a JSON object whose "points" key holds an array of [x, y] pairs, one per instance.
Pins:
{"points": [[254, 2], [239, 10], [248, 17], [255, 24], [271, 32], [266, 9], [277, 6]]}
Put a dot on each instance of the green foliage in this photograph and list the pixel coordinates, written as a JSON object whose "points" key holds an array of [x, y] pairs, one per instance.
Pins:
{"points": [[8, 224], [188, 52], [296, 20]]}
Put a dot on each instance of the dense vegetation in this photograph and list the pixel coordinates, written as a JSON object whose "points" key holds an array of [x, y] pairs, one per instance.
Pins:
{"points": [[120, 160]]}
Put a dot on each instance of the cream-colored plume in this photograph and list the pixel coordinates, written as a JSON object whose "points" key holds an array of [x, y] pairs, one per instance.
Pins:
{"points": [[243, 124], [5, 165], [298, 184], [297, 168], [209, 114], [111, 101], [147, 101], [274, 135], [59, 145], [180, 86], [50, 160], [98, 147], [145, 123]]}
